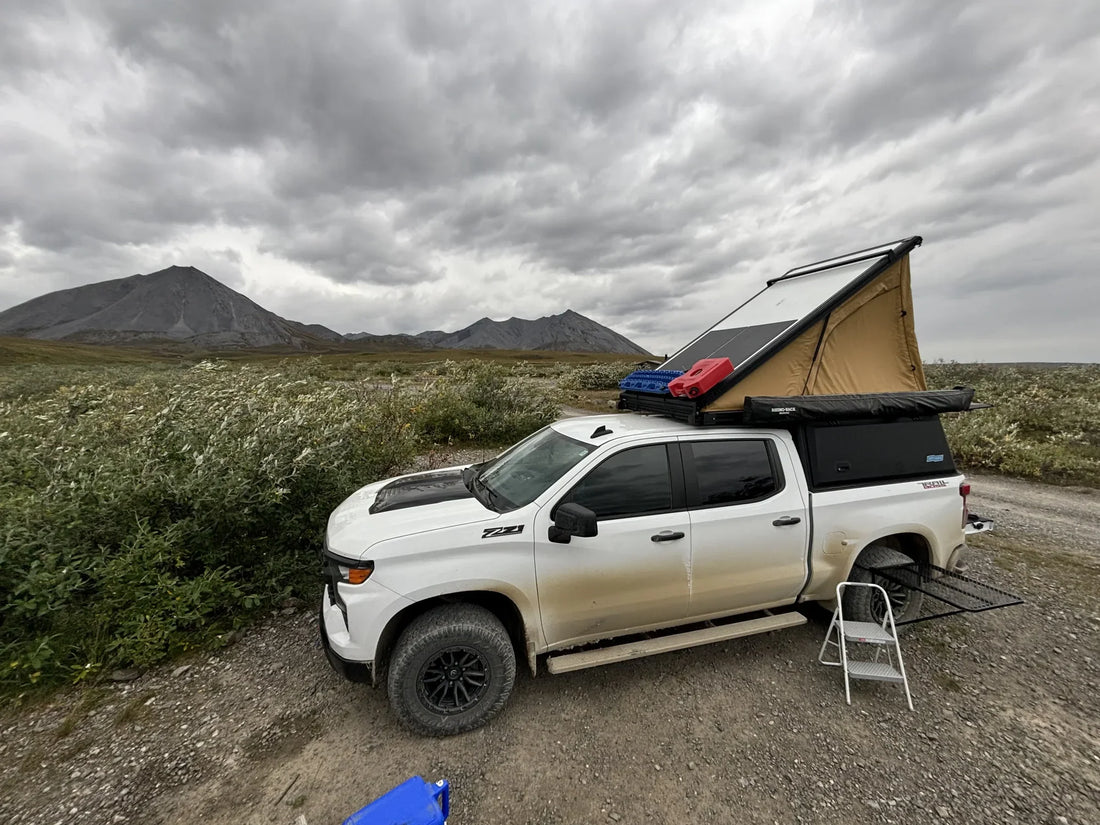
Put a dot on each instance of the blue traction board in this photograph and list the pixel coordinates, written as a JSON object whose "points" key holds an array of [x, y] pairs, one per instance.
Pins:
{"points": [[414, 802], [654, 381]]}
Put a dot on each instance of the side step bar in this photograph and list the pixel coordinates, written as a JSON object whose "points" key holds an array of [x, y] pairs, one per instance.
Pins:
{"points": [[664, 644]]}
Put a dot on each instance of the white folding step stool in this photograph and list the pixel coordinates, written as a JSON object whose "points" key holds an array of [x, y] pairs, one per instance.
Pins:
{"points": [[882, 636]]}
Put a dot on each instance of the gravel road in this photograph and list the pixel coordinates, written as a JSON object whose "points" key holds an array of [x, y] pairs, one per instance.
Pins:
{"points": [[1006, 728], [1063, 516]]}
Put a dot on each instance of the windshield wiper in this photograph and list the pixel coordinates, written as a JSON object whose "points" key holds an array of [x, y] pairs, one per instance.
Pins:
{"points": [[501, 503], [490, 493], [468, 476], [472, 480]]}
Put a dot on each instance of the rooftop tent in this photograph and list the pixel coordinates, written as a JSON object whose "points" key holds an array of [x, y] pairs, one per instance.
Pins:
{"points": [[841, 326]]}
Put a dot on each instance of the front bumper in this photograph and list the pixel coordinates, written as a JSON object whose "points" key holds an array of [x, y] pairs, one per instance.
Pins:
{"points": [[352, 671], [352, 619]]}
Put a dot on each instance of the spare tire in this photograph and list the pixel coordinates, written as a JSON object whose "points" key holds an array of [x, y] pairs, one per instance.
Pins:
{"points": [[862, 604]]}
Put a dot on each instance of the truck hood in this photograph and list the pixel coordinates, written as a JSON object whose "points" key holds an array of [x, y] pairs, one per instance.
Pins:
{"points": [[403, 506]]}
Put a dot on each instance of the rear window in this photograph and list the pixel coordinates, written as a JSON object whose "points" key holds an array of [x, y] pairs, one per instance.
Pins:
{"points": [[728, 472], [842, 455]]}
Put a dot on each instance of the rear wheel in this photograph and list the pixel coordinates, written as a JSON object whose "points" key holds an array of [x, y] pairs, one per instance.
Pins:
{"points": [[863, 604], [452, 670]]}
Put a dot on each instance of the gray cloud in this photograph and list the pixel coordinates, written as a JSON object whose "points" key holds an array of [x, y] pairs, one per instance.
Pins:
{"points": [[351, 247], [391, 166]]}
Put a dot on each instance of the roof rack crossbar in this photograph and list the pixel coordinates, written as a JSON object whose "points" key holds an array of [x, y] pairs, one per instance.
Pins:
{"points": [[848, 258]]}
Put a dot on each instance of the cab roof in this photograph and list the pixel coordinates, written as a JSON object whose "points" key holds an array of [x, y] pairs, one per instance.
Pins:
{"points": [[596, 429]]}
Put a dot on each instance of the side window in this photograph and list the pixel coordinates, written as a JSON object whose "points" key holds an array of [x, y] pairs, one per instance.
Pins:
{"points": [[631, 483], [729, 472]]}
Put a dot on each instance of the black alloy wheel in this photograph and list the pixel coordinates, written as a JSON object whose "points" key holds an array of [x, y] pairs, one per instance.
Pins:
{"points": [[898, 595], [453, 681]]}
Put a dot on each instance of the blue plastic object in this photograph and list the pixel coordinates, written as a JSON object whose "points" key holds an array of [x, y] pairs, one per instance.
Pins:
{"points": [[413, 802], [655, 381]]}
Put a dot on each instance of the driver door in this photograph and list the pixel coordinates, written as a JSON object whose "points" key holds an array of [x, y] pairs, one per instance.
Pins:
{"points": [[631, 576]]}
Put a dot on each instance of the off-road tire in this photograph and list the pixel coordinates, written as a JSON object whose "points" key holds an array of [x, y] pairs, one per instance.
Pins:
{"points": [[861, 604], [451, 671]]}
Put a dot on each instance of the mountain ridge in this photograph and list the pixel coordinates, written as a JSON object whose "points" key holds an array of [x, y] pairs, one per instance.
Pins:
{"points": [[184, 305], [568, 331]]}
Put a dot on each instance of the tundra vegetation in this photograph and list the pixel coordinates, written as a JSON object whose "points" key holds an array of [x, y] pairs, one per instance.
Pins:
{"points": [[1044, 422], [149, 508], [146, 510]]}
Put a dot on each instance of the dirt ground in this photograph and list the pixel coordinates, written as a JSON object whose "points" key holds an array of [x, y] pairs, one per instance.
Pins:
{"points": [[1006, 728]]}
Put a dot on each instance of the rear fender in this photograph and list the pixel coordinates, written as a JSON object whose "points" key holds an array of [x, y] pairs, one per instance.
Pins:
{"points": [[836, 563]]}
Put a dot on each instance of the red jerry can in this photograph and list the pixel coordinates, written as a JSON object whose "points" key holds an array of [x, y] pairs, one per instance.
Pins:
{"points": [[701, 377]]}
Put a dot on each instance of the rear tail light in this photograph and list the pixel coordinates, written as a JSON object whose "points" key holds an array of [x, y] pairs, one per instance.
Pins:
{"points": [[964, 491]]}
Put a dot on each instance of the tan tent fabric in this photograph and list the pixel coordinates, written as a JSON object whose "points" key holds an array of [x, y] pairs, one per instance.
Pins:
{"points": [[785, 373], [869, 345]]}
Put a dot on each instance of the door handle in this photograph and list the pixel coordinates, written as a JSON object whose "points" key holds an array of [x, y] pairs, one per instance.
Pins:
{"points": [[786, 521], [667, 535]]}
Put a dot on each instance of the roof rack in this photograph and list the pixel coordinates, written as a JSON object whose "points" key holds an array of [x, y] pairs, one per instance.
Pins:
{"points": [[802, 409]]}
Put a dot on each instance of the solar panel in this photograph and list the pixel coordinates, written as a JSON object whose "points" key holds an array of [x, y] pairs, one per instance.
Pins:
{"points": [[755, 325]]}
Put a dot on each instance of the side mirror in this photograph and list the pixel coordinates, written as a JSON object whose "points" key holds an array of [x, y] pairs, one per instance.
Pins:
{"points": [[572, 520]]}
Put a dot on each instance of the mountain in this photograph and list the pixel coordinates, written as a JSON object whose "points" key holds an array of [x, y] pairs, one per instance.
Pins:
{"points": [[175, 304], [569, 331]]}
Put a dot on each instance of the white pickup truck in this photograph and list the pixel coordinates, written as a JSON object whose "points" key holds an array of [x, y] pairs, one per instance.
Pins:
{"points": [[609, 537]]}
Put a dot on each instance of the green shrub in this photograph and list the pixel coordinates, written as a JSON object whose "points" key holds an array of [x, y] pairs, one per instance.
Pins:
{"points": [[475, 401], [596, 376], [149, 604], [36, 380]]}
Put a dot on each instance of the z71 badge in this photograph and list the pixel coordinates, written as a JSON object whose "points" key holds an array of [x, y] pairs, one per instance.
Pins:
{"points": [[494, 532]]}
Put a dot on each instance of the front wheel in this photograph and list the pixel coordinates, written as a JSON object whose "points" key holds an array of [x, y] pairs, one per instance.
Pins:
{"points": [[862, 604], [452, 670]]}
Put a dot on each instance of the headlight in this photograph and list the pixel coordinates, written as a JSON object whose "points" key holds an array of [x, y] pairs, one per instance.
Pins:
{"points": [[357, 574]]}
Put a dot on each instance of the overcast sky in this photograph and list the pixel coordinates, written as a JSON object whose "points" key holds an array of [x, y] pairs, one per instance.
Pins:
{"points": [[402, 166]]}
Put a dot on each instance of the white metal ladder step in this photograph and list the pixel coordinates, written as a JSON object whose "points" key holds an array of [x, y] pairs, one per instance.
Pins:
{"points": [[868, 633], [880, 671], [882, 636]]}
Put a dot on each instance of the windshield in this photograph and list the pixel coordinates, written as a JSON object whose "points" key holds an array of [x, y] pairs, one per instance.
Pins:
{"points": [[520, 475]]}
